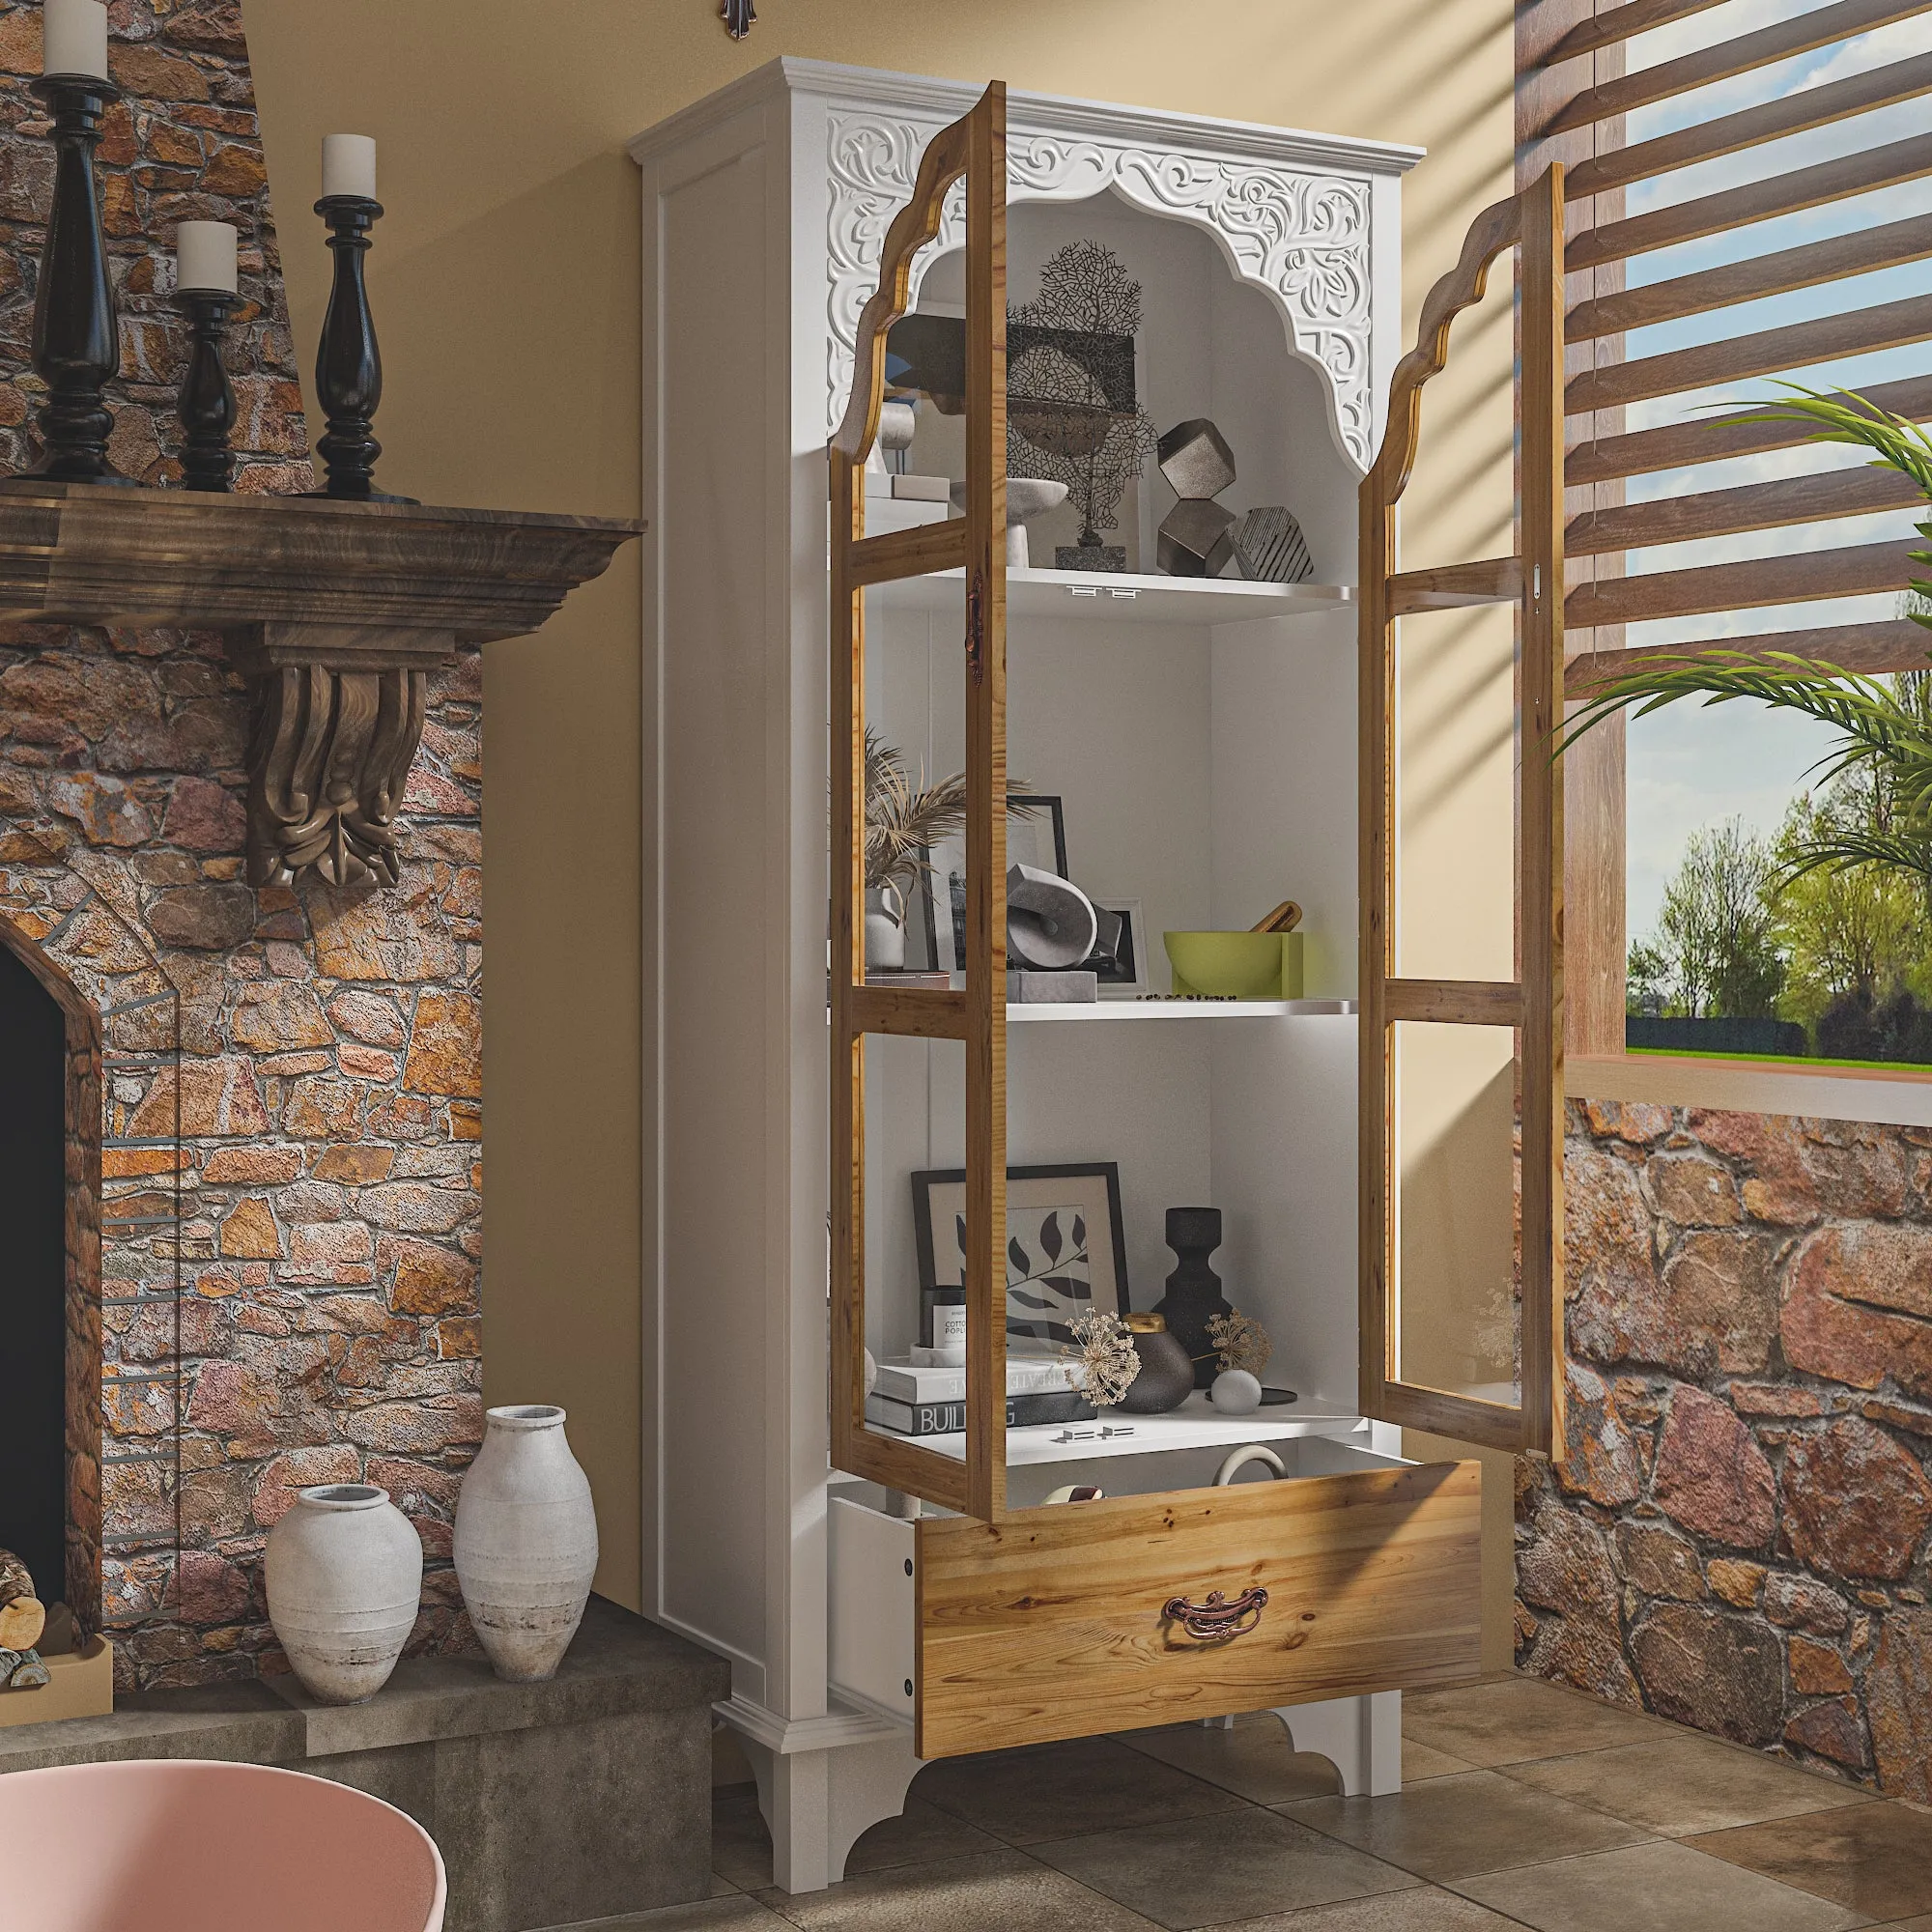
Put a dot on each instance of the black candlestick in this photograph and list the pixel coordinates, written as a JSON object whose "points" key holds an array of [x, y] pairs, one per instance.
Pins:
{"points": [[347, 365], [77, 338], [207, 401]]}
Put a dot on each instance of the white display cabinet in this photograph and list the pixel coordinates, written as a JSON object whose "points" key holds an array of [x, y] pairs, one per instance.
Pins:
{"points": [[1201, 736]]}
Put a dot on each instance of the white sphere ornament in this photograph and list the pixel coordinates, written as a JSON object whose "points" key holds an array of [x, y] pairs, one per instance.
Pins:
{"points": [[525, 1543], [344, 1572], [1236, 1392]]}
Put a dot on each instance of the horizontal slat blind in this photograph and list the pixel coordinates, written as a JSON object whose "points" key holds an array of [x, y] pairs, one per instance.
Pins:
{"points": [[1801, 34], [1618, 23], [1799, 579], [1863, 648], [1677, 446], [1761, 352], [1654, 349], [1751, 506], [1752, 127], [1891, 165], [1858, 253]]}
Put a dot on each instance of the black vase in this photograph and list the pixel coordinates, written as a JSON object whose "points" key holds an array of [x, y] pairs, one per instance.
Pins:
{"points": [[1166, 1378], [1194, 1297]]}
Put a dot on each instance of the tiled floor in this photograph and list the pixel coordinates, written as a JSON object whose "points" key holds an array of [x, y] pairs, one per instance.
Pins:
{"points": [[1524, 1805]]}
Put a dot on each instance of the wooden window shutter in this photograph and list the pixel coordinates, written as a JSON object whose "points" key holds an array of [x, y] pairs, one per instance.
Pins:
{"points": [[1582, 75]]}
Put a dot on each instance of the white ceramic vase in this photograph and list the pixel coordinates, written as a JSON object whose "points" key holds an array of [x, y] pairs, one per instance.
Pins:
{"points": [[345, 1570], [526, 1542], [885, 928]]}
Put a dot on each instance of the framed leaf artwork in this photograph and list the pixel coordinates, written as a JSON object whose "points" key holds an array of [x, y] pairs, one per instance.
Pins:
{"points": [[1066, 1249]]}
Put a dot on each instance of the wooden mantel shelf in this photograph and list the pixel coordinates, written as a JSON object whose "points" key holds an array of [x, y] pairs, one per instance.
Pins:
{"points": [[87, 554], [336, 610]]}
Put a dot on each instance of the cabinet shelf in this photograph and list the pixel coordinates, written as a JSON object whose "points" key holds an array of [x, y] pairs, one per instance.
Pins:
{"points": [[1093, 596], [1178, 1010], [1195, 1425]]}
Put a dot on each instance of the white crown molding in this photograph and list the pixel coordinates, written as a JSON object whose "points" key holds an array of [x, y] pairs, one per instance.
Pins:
{"points": [[1029, 113]]}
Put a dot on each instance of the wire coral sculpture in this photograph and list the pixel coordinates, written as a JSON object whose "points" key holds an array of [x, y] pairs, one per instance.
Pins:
{"points": [[1073, 412]]}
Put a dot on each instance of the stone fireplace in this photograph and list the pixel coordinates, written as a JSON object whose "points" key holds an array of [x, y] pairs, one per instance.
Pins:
{"points": [[271, 1098]]}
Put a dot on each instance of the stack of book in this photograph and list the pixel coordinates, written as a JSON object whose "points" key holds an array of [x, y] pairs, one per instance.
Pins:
{"points": [[911, 1399]]}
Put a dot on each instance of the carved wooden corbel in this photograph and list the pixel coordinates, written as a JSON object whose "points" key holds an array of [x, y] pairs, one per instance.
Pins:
{"points": [[338, 720]]}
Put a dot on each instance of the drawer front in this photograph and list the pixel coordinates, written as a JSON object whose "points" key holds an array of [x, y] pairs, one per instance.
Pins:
{"points": [[1056, 1623]]}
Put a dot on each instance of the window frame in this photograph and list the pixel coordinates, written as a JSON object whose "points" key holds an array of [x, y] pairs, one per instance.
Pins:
{"points": [[1598, 1064]]}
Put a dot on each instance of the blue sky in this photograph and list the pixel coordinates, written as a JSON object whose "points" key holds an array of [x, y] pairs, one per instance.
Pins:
{"points": [[1689, 767]]}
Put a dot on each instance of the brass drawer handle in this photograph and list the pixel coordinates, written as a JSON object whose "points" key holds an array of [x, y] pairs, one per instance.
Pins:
{"points": [[1217, 1619]]}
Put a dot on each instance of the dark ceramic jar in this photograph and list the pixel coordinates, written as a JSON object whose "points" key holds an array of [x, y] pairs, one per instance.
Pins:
{"points": [[1194, 1297], [1166, 1377]]}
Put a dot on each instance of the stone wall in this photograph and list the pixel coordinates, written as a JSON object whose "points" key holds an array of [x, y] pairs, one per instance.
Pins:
{"points": [[1738, 1539], [291, 1291]]}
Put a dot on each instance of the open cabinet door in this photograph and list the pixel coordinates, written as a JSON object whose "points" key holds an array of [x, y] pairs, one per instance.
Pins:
{"points": [[1457, 1338], [973, 147]]}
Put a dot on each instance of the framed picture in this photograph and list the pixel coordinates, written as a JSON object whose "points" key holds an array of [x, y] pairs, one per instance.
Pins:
{"points": [[1122, 971], [1036, 835], [1066, 1249]]}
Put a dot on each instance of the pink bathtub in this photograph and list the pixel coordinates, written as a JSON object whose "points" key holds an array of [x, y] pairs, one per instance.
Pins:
{"points": [[187, 1846]]}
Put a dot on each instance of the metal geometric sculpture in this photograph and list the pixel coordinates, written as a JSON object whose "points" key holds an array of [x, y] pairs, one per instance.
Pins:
{"points": [[1270, 546], [1196, 460], [1195, 538], [1073, 412], [1198, 465]]}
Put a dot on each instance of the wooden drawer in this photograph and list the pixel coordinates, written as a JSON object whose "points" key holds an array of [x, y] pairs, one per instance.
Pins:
{"points": [[1055, 1623]]}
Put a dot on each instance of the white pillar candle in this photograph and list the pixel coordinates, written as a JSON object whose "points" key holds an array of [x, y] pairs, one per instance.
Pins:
{"points": [[349, 165], [205, 256], [73, 38]]}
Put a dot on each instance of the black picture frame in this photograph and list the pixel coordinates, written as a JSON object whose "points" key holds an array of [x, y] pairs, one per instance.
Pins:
{"points": [[1126, 969], [937, 1191]]}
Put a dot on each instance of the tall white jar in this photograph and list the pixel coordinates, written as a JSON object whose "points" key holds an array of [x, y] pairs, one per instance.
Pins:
{"points": [[526, 1542], [345, 1570]]}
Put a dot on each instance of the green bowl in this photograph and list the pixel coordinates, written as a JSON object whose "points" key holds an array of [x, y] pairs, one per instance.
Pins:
{"points": [[1234, 965]]}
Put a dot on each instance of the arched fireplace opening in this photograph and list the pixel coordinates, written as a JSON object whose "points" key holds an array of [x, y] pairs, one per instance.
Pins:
{"points": [[34, 1498]]}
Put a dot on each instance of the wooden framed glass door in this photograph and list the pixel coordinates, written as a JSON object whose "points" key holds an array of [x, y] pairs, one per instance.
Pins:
{"points": [[1461, 1299], [973, 147]]}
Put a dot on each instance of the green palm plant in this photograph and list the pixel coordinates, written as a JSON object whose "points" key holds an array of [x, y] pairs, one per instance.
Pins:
{"points": [[1884, 728]]}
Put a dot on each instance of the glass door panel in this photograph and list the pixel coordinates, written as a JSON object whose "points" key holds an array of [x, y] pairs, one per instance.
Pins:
{"points": [[1458, 1282]]}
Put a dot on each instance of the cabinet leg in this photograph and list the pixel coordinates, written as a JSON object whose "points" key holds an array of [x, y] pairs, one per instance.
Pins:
{"points": [[818, 1804], [1361, 1737], [792, 1794], [869, 1784]]}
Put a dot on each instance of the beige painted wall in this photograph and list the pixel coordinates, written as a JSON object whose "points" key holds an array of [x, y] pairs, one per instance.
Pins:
{"points": [[506, 287]]}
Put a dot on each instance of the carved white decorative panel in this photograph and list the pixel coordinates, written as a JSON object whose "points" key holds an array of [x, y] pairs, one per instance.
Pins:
{"points": [[1300, 235]]}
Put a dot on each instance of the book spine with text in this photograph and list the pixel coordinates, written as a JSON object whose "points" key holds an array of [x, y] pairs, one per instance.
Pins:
{"points": [[947, 1418]]}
